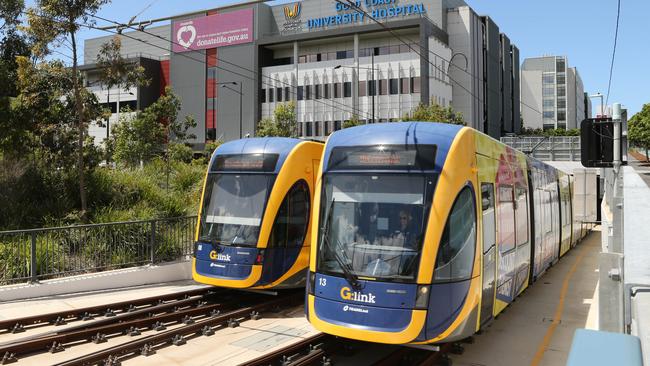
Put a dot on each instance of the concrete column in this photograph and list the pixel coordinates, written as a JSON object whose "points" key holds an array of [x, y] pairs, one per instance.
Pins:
{"points": [[355, 78], [294, 77]]}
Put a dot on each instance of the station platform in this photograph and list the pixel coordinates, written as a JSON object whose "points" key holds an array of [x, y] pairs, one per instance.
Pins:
{"points": [[537, 329]]}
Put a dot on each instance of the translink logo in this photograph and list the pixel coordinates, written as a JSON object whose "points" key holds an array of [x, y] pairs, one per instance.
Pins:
{"points": [[347, 294], [219, 256]]}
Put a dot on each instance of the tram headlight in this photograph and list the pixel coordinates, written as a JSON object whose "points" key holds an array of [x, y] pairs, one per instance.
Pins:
{"points": [[422, 297], [312, 282]]}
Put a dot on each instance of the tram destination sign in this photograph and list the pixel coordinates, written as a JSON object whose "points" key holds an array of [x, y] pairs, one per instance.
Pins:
{"points": [[245, 162], [420, 157]]}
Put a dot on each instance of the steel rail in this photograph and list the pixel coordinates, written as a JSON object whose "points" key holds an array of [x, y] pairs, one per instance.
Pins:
{"points": [[17, 325], [145, 346], [301, 351], [56, 342]]}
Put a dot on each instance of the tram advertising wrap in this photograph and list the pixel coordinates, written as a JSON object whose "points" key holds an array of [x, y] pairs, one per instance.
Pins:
{"points": [[254, 215], [423, 231]]}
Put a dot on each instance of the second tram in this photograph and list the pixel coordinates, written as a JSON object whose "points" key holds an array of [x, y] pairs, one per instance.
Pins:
{"points": [[254, 215]]}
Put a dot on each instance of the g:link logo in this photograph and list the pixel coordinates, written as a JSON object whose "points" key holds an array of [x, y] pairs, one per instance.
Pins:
{"points": [[219, 256], [347, 294]]}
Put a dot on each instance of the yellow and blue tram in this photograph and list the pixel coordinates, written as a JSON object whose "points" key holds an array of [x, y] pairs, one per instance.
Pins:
{"points": [[254, 215], [427, 231]]}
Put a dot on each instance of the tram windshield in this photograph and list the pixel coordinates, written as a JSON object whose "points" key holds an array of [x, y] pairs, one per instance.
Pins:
{"points": [[233, 208], [373, 225]]}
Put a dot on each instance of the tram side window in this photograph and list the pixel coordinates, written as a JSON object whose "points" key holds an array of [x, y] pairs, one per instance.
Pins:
{"points": [[291, 222], [522, 216], [487, 196], [506, 218], [457, 246]]}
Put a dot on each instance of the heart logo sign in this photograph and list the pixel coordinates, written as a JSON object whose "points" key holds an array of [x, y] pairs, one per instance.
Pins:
{"points": [[185, 39]]}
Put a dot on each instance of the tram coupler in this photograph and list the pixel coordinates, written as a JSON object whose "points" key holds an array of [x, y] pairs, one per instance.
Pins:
{"points": [[17, 328], [8, 358], [233, 323], [457, 349], [56, 347], [255, 315], [207, 330], [98, 338], [178, 340]]}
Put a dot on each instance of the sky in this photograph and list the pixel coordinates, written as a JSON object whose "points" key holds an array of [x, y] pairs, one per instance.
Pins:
{"points": [[582, 30]]}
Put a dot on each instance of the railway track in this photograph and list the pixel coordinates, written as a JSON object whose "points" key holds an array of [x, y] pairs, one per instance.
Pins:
{"points": [[192, 314], [321, 349], [19, 325]]}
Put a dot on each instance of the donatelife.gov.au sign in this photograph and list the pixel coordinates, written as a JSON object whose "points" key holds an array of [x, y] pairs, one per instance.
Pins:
{"points": [[213, 31]]}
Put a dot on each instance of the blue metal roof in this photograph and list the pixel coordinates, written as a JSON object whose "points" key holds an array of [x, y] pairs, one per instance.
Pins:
{"points": [[407, 133], [259, 145]]}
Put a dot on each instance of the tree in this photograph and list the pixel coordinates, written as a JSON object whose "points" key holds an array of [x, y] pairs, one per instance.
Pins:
{"points": [[115, 70], [53, 23], [150, 132], [283, 124], [638, 130], [354, 121], [433, 112]]}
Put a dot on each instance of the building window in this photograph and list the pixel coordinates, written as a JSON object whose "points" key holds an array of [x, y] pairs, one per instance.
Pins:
{"points": [[347, 89], [549, 103], [302, 59], [327, 128], [326, 91], [404, 85], [312, 58], [548, 114], [212, 73], [362, 88], [263, 96], [561, 78], [415, 84], [372, 87], [337, 90], [278, 94], [560, 65], [317, 91], [287, 93], [548, 78], [548, 91], [337, 125], [561, 103], [316, 128], [270, 94], [300, 92], [308, 129], [561, 116], [394, 89], [340, 55], [561, 125], [561, 91], [308, 92], [549, 126], [383, 87]]}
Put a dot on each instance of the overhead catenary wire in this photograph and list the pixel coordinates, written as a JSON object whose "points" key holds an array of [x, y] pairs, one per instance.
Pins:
{"points": [[334, 104], [348, 108], [398, 37], [611, 66]]}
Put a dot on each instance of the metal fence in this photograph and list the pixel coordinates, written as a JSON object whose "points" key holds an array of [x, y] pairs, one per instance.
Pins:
{"points": [[36, 254], [554, 148]]}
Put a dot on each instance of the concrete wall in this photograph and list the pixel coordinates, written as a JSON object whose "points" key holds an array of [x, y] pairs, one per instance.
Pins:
{"points": [[531, 94], [516, 90], [571, 110], [128, 277], [506, 82], [188, 78]]}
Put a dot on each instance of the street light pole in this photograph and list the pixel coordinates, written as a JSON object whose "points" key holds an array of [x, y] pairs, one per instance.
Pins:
{"points": [[241, 95]]}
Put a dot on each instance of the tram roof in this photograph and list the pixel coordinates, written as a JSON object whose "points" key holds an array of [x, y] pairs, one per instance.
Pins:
{"points": [[397, 133], [259, 145]]}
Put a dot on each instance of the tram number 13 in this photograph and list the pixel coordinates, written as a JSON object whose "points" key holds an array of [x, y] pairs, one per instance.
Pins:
{"points": [[322, 282]]}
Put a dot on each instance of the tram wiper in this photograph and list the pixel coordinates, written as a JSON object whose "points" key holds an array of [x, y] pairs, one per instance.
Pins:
{"points": [[345, 267]]}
